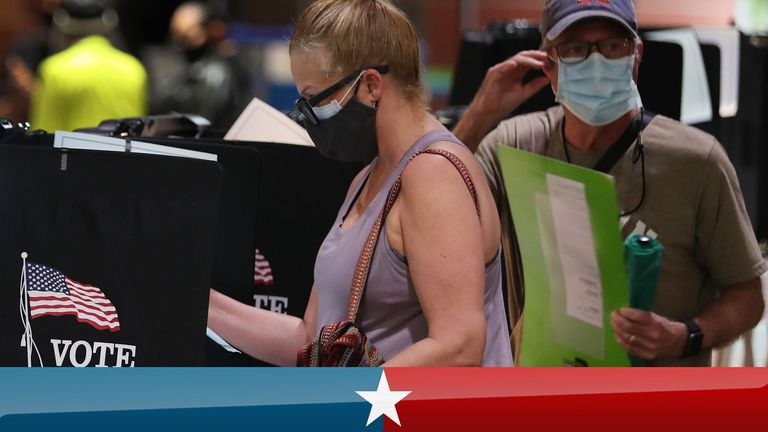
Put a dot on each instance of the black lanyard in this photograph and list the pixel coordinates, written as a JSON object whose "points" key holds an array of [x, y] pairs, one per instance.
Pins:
{"points": [[617, 150]]}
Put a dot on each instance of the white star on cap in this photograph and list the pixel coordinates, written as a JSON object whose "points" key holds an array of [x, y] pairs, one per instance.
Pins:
{"points": [[383, 401]]}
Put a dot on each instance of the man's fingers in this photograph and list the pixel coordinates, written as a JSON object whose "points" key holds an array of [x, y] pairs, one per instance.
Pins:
{"points": [[536, 54], [529, 62], [637, 315], [535, 86], [619, 323], [629, 329], [636, 347], [521, 62]]}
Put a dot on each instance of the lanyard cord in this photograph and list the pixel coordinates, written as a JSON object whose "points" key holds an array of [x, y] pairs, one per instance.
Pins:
{"points": [[637, 154]]}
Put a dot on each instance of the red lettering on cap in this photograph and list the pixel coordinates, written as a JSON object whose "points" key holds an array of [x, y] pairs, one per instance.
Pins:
{"points": [[601, 2]]}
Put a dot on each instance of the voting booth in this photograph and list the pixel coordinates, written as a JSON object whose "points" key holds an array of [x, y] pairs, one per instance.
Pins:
{"points": [[268, 209], [106, 257], [278, 203]]}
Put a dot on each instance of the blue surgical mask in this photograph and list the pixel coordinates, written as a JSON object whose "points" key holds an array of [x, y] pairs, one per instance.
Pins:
{"points": [[598, 90]]}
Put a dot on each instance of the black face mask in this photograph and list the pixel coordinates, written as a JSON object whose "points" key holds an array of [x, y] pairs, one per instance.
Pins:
{"points": [[194, 54], [348, 136]]}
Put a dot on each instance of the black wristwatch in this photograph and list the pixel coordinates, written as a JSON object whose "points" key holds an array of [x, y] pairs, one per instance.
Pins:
{"points": [[695, 338]]}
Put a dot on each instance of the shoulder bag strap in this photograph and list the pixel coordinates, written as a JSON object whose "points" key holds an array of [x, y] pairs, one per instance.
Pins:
{"points": [[362, 269]]}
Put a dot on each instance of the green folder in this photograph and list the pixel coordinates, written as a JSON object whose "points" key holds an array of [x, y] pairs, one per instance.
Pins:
{"points": [[567, 224]]}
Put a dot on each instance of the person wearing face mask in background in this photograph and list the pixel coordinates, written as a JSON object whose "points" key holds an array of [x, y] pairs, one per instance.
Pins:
{"points": [[674, 182], [206, 79], [433, 295]]}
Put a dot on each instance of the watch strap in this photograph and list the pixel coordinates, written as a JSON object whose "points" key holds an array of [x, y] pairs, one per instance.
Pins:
{"points": [[695, 338]]}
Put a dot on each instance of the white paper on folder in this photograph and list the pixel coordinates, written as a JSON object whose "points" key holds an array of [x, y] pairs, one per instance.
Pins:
{"points": [[261, 122], [84, 141], [576, 247], [727, 40], [696, 106]]}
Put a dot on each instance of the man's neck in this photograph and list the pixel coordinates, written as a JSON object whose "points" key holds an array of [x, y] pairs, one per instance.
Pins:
{"points": [[584, 137]]}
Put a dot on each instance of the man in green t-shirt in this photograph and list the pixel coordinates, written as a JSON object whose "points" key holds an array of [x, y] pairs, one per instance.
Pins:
{"points": [[678, 186]]}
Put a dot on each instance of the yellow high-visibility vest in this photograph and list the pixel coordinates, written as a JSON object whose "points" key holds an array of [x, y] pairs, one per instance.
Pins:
{"points": [[89, 82]]}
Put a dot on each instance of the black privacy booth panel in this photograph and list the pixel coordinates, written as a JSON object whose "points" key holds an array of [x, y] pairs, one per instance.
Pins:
{"points": [[234, 249], [119, 250], [278, 202], [299, 198]]}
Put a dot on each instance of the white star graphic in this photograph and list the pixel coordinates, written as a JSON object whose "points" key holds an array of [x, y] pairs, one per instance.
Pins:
{"points": [[383, 401]]}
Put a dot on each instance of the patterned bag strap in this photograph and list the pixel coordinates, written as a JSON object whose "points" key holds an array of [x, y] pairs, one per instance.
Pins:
{"points": [[362, 269]]}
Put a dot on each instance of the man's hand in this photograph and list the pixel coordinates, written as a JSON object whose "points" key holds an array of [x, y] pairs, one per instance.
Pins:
{"points": [[502, 91], [647, 335]]}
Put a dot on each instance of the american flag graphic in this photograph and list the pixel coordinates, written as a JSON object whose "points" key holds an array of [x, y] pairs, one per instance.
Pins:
{"points": [[53, 293], [262, 272]]}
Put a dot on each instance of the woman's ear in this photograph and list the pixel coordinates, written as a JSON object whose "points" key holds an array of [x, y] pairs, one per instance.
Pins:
{"points": [[372, 85]]}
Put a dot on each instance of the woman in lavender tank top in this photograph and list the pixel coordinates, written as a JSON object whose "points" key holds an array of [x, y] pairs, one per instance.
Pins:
{"points": [[433, 296]]}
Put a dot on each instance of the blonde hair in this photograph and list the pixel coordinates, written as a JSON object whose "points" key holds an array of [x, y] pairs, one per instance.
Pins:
{"points": [[359, 34]]}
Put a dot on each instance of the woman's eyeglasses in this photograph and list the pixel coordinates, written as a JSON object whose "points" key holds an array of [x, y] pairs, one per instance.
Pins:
{"points": [[305, 105]]}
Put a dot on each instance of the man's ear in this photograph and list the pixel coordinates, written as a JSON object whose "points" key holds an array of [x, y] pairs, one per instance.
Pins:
{"points": [[639, 48], [549, 68]]}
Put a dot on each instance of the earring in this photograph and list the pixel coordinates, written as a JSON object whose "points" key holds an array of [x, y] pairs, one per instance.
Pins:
{"points": [[375, 104]]}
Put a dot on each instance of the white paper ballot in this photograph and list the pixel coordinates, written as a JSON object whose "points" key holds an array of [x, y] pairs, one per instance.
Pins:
{"points": [[727, 40], [84, 141], [261, 122], [219, 340], [696, 106], [576, 248]]}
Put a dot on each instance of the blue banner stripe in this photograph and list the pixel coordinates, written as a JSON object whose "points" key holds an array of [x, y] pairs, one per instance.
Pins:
{"points": [[60, 390], [338, 417]]}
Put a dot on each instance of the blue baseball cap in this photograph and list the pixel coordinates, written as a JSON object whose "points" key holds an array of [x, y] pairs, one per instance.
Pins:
{"points": [[561, 14]]}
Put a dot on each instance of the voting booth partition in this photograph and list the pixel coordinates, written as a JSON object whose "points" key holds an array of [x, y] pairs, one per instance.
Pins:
{"points": [[106, 257], [122, 248], [300, 193], [750, 133], [234, 247], [278, 203]]}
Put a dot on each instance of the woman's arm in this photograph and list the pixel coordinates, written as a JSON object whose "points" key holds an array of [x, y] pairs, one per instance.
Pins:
{"points": [[443, 240], [268, 336]]}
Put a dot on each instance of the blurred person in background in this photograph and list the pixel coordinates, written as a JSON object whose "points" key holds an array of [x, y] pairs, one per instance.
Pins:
{"points": [[90, 81], [207, 80], [24, 57]]}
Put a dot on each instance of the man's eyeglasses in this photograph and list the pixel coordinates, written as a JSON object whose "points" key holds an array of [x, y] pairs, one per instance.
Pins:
{"points": [[578, 51], [305, 105]]}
